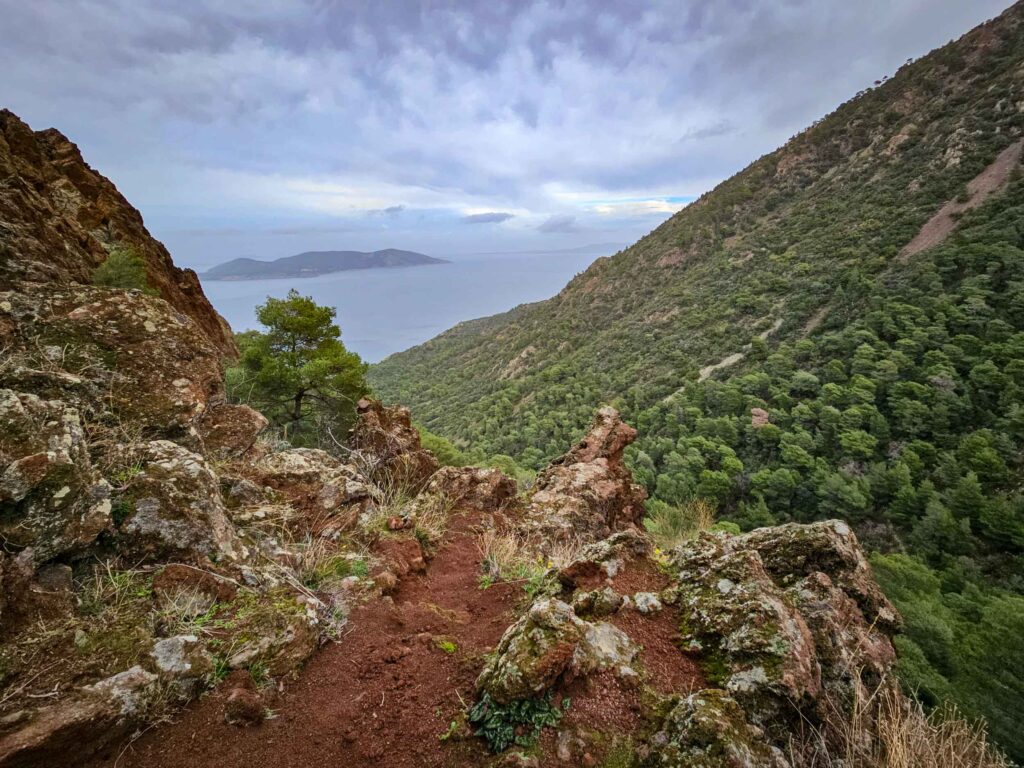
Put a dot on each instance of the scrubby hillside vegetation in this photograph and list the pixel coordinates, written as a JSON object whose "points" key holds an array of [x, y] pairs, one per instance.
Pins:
{"points": [[837, 331]]}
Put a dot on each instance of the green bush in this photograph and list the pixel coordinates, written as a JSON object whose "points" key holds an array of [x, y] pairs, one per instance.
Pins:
{"points": [[125, 269]]}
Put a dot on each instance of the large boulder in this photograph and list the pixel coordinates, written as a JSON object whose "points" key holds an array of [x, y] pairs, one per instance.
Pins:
{"points": [[52, 499], [589, 492], [391, 446], [230, 431], [788, 620], [172, 509], [550, 643]]}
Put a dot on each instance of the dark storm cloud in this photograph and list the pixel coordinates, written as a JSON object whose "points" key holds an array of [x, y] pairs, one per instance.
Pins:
{"points": [[403, 114], [494, 217]]}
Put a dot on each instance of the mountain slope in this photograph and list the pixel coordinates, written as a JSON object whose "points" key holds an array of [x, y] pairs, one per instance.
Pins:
{"points": [[313, 263], [770, 244], [836, 331]]}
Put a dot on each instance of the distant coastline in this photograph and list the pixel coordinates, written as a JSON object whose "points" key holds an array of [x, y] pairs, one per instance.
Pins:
{"points": [[316, 263]]}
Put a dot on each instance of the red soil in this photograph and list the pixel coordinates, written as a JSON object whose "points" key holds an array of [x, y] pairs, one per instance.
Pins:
{"points": [[386, 692]]}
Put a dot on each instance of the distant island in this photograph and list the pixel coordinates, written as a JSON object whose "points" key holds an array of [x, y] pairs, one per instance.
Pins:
{"points": [[313, 263]]}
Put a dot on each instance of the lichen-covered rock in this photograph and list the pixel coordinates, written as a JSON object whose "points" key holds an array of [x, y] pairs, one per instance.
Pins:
{"points": [[589, 493], [145, 364], [172, 509], [229, 431], [391, 445], [757, 644], [82, 723], [789, 620], [484, 489], [708, 729], [597, 602], [296, 465], [51, 498], [548, 643]]}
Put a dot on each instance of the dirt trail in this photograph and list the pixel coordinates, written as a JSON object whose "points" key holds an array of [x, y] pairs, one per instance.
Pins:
{"points": [[381, 696], [386, 692]]}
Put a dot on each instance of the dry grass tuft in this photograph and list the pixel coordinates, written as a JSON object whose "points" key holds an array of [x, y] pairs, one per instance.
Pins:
{"points": [[888, 730], [671, 526]]}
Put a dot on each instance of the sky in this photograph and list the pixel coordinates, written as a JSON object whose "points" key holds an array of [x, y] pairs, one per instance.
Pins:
{"points": [[264, 129]]}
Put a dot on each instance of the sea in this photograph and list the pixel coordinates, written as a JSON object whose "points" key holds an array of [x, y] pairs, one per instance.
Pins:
{"points": [[383, 311]]}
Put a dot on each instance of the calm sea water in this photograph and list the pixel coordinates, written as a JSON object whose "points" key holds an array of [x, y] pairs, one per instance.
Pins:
{"points": [[382, 311]]}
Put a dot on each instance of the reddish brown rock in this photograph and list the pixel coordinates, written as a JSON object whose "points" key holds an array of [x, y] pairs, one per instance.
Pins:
{"points": [[391, 445], [229, 431], [589, 493], [244, 707], [61, 218], [189, 590]]}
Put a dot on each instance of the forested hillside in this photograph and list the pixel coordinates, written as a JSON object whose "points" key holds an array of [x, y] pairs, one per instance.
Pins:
{"points": [[837, 331]]}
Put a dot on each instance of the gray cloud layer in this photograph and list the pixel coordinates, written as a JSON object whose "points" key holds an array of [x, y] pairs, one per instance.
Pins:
{"points": [[394, 122]]}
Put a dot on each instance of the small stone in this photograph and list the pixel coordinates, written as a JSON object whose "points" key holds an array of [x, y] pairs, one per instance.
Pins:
{"points": [[647, 602], [244, 707]]}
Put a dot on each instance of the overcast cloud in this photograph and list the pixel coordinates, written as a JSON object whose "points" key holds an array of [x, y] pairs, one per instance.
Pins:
{"points": [[264, 129]]}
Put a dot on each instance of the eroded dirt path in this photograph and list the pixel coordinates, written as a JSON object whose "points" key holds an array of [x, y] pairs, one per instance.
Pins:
{"points": [[405, 669], [381, 696]]}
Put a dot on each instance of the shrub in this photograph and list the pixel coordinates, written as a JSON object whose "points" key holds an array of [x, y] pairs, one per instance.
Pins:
{"points": [[125, 269]]}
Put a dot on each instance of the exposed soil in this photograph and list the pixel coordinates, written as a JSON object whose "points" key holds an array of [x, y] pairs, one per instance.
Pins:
{"points": [[385, 693], [990, 180]]}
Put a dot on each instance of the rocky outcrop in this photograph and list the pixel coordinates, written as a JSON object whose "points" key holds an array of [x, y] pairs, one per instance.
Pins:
{"points": [[122, 356], [788, 620], [708, 730], [589, 493], [61, 219], [386, 437], [487, 490], [52, 500]]}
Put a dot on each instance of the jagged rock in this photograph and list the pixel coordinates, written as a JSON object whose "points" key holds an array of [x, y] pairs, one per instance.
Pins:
{"points": [[484, 489], [230, 431], [183, 663], [61, 217], [548, 643], [240, 491], [391, 445], [172, 508], [708, 729], [589, 493], [145, 364], [51, 497], [736, 616], [90, 718]]}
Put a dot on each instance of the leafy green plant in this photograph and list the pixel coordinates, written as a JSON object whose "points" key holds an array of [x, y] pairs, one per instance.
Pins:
{"points": [[518, 723]]}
